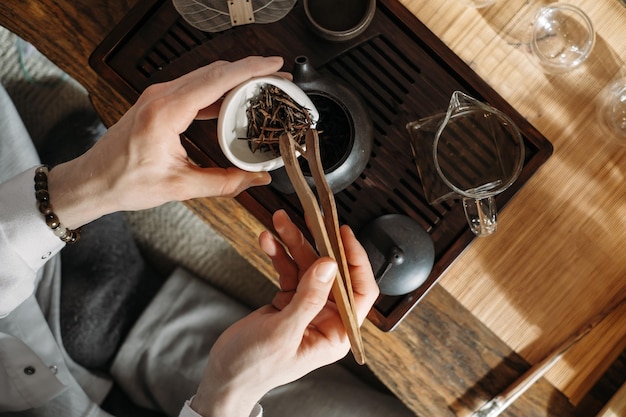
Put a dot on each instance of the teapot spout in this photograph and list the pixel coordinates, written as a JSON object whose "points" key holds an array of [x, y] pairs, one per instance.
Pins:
{"points": [[303, 71]]}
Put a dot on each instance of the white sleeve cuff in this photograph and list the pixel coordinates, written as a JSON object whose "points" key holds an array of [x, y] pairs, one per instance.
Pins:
{"points": [[25, 380], [26, 242], [187, 411], [23, 225]]}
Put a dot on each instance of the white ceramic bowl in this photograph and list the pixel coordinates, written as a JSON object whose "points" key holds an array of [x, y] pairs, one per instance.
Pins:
{"points": [[232, 123]]}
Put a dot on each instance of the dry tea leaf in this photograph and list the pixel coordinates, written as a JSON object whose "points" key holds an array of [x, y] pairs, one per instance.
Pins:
{"points": [[271, 113]]}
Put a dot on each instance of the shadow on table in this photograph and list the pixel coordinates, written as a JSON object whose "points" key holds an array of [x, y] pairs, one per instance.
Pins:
{"points": [[511, 367], [581, 164]]}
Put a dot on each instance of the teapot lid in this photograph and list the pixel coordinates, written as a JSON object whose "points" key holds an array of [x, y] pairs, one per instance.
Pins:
{"points": [[401, 252]]}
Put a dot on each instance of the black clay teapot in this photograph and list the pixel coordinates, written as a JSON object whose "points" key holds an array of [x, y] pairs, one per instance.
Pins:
{"points": [[344, 126]]}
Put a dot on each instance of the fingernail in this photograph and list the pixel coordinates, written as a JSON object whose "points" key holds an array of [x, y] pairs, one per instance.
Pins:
{"points": [[326, 271], [262, 178], [268, 243], [275, 59], [281, 213]]}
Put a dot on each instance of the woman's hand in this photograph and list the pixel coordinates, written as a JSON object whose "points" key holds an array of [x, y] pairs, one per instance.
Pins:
{"points": [[300, 332], [140, 163]]}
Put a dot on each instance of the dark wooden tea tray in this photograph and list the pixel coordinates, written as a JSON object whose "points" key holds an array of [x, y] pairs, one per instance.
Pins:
{"points": [[402, 71]]}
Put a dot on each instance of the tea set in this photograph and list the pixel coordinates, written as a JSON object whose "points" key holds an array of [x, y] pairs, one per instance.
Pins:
{"points": [[470, 152]]}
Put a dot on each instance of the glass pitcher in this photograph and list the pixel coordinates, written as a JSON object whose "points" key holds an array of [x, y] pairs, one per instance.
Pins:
{"points": [[472, 152]]}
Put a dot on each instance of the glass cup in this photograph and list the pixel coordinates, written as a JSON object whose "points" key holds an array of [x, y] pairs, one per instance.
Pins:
{"points": [[611, 110], [561, 38], [473, 152]]}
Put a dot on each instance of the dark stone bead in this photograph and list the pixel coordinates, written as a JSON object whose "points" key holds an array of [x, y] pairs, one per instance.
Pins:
{"points": [[42, 195], [52, 220], [41, 177], [41, 185], [45, 207], [74, 236], [43, 169]]}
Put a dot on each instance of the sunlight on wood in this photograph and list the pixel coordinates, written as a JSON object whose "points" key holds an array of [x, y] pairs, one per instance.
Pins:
{"points": [[564, 226]]}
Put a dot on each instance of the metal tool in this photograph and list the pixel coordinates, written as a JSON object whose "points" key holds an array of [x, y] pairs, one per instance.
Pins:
{"points": [[499, 403]]}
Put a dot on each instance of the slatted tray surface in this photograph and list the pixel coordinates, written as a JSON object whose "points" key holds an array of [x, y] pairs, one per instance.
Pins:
{"points": [[401, 70]]}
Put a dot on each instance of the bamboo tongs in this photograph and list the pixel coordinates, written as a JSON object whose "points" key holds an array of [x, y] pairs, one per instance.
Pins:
{"points": [[324, 226]]}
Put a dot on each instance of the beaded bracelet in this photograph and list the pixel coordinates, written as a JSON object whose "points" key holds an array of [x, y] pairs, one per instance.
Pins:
{"points": [[45, 207]]}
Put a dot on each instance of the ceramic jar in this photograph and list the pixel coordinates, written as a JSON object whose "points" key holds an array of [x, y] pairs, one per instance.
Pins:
{"points": [[346, 131]]}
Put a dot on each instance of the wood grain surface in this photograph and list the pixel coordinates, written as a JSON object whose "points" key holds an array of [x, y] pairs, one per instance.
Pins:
{"points": [[418, 76], [560, 248], [560, 253]]}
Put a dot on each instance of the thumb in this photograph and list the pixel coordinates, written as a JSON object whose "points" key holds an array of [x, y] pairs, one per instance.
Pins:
{"points": [[312, 292], [224, 182]]}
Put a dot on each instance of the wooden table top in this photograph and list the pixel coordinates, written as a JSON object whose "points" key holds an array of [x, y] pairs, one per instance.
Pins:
{"points": [[510, 298]]}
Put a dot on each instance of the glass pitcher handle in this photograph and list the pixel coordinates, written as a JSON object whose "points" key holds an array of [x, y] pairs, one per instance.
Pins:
{"points": [[482, 215]]}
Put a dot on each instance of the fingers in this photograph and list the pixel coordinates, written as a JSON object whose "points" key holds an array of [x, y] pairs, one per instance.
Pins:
{"points": [[201, 88], [210, 112], [301, 250], [213, 110], [289, 265], [225, 75], [214, 182], [312, 294], [282, 299], [363, 283], [285, 266], [286, 75], [364, 286]]}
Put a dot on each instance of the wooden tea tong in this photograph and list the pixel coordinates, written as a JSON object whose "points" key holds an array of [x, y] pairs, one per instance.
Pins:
{"points": [[324, 226]]}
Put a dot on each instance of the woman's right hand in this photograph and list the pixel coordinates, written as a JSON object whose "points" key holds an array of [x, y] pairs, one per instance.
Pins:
{"points": [[299, 332]]}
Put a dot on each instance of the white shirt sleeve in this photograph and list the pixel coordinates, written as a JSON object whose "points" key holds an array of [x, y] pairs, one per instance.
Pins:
{"points": [[25, 381], [26, 242], [187, 411]]}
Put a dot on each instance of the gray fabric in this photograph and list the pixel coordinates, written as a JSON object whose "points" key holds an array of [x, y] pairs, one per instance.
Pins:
{"points": [[162, 360], [17, 152], [28, 323], [105, 287], [331, 391], [106, 281], [36, 321], [42, 93]]}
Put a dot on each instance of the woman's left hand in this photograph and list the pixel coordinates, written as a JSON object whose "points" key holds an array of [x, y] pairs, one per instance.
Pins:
{"points": [[140, 162]]}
